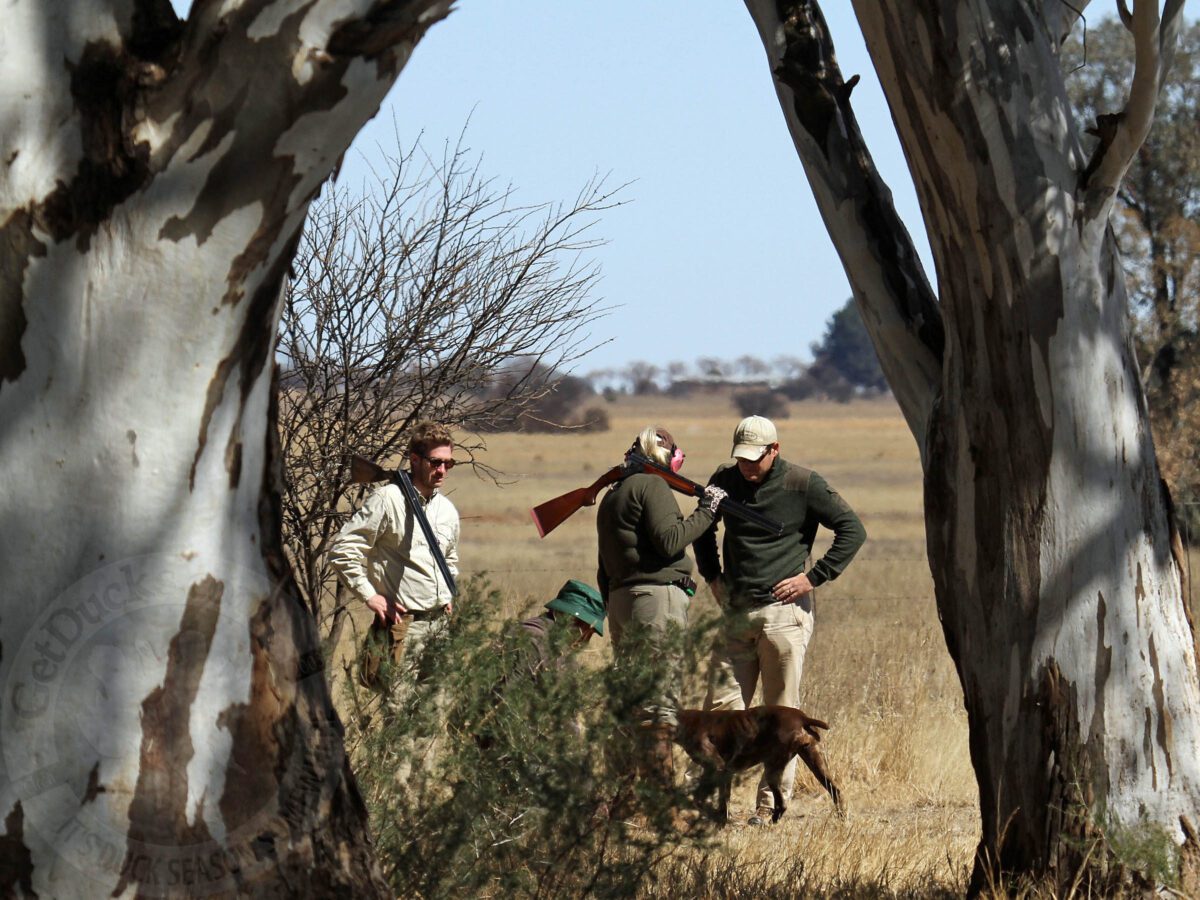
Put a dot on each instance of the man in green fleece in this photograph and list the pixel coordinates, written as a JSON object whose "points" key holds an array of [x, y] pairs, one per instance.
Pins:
{"points": [[765, 591]]}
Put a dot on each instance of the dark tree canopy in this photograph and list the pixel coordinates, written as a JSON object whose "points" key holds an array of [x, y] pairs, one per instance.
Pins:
{"points": [[846, 348]]}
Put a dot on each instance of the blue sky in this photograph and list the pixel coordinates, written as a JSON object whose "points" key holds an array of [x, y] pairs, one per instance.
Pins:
{"points": [[720, 250]]}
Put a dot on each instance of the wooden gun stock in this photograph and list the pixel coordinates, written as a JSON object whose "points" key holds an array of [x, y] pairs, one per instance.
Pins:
{"points": [[363, 471], [549, 515]]}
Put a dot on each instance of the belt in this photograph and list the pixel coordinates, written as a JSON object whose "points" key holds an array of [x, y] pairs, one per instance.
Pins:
{"points": [[745, 604], [420, 615], [685, 584], [750, 607]]}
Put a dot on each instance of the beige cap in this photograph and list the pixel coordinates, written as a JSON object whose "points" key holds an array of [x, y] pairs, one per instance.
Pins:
{"points": [[752, 434]]}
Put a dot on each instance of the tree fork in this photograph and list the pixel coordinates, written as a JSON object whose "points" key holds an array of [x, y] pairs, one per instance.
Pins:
{"points": [[1048, 535]]}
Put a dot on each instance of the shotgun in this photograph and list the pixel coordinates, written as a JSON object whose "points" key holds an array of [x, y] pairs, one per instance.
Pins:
{"points": [[549, 515], [363, 471]]}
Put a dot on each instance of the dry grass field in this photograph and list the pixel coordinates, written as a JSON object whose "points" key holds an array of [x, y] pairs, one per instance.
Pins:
{"points": [[877, 668]]}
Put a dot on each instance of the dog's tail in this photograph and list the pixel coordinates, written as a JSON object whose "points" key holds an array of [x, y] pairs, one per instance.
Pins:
{"points": [[812, 726]]}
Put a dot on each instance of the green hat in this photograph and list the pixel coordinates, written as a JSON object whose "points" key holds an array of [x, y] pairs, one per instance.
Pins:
{"points": [[581, 601]]}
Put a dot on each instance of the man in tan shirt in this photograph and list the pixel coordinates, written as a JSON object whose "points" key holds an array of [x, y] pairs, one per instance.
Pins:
{"points": [[382, 556]]}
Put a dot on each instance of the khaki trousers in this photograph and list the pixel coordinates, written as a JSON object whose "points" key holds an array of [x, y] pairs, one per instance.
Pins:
{"points": [[768, 641], [410, 637], [641, 619], [404, 639], [403, 644]]}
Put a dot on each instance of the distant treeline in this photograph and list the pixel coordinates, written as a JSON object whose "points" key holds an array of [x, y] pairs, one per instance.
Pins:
{"points": [[844, 366]]}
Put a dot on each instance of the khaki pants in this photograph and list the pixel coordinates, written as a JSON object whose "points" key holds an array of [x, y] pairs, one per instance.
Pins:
{"points": [[403, 644], [768, 641], [406, 638], [654, 610]]}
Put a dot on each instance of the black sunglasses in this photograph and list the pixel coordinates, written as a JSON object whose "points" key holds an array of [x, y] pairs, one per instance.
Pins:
{"points": [[448, 463]]}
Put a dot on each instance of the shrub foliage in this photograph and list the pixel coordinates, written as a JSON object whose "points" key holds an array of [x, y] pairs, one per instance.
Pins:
{"points": [[490, 777]]}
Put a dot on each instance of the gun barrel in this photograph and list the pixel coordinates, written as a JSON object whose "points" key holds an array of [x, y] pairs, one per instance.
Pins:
{"points": [[414, 502], [727, 506], [741, 511]]}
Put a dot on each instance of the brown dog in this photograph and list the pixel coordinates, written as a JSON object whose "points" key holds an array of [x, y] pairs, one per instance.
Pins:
{"points": [[727, 741]]}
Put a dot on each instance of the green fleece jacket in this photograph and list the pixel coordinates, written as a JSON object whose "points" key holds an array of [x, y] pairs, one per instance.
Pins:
{"points": [[642, 536], [756, 560]]}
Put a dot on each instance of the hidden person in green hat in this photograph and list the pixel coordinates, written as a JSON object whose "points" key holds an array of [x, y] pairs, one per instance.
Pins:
{"points": [[547, 643], [577, 605]]}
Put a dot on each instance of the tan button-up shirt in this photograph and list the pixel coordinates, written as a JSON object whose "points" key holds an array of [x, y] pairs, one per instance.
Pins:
{"points": [[382, 550]]}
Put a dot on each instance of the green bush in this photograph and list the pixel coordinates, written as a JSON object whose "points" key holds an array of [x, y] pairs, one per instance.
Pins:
{"points": [[762, 402], [1142, 853], [516, 784]]}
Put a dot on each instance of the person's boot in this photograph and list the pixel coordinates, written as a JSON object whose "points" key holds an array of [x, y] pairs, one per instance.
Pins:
{"points": [[762, 816]]}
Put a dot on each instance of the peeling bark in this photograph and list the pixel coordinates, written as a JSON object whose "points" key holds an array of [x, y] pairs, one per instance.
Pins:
{"points": [[18, 246], [158, 813], [102, 84], [278, 723], [1048, 535], [1189, 881], [165, 724]]}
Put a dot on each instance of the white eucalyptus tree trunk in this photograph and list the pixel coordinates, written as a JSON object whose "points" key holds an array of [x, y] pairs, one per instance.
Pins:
{"points": [[165, 725], [1048, 527]]}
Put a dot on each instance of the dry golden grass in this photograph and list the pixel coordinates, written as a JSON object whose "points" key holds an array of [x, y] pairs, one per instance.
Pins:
{"points": [[877, 667]]}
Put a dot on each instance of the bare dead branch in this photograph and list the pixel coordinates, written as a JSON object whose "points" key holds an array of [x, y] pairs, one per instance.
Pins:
{"points": [[898, 305], [432, 294], [1124, 133]]}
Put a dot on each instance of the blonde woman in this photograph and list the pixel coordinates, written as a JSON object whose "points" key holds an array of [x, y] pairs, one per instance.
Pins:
{"points": [[645, 578]]}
